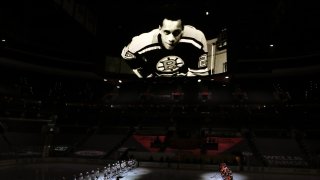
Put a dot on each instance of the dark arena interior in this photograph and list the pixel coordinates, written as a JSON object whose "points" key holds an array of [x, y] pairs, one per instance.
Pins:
{"points": [[72, 109]]}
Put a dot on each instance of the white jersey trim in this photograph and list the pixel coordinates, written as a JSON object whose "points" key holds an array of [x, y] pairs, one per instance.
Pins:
{"points": [[191, 42]]}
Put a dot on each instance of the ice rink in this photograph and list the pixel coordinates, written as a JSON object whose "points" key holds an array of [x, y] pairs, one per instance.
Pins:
{"points": [[55, 171]]}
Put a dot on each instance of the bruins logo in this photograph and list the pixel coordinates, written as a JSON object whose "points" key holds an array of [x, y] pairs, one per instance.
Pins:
{"points": [[169, 64]]}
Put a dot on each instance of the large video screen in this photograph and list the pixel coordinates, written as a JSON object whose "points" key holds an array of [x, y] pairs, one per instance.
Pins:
{"points": [[173, 46], [146, 63]]}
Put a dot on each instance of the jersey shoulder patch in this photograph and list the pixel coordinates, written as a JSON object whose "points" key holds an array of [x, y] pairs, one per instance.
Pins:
{"points": [[126, 54]]}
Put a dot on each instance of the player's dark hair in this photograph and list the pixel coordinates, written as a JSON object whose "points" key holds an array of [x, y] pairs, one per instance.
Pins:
{"points": [[172, 11]]}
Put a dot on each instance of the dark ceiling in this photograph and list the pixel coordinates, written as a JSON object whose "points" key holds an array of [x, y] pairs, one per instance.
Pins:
{"points": [[291, 26]]}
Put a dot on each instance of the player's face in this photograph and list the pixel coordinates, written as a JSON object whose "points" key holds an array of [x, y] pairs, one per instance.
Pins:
{"points": [[171, 32]]}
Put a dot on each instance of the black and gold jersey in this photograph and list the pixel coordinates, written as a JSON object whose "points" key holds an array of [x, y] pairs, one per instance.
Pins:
{"points": [[146, 54]]}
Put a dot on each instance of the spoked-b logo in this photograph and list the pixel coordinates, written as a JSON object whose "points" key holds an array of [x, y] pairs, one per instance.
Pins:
{"points": [[169, 64]]}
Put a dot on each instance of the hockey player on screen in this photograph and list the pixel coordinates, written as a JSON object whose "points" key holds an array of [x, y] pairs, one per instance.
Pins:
{"points": [[172, 50]]}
